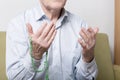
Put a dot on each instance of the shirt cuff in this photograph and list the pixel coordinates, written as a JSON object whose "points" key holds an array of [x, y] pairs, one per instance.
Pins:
{"points": [[86, 66], [88, 70], [29, 64]]}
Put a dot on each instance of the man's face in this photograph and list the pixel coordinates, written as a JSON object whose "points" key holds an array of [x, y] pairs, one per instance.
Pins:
{"points": [[53, 4]]}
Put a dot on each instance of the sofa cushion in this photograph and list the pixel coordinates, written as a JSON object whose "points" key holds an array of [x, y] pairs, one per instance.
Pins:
{"points": [[103, 58], [2, 55]]}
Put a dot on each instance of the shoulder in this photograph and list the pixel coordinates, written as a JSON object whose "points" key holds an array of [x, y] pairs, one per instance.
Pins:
{"points": [[24, 16], [76, 19], [76, 22], [20, 20], [17, 26]]}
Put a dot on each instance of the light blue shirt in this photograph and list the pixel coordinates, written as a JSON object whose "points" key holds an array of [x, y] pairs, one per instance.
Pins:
{"points": [[64, 55]]}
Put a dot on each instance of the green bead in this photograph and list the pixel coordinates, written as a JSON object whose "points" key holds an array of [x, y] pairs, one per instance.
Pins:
{"points": [[33, 64]]}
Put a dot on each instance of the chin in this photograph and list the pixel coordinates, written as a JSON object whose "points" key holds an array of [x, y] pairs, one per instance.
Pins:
{"points": [[57, 6]]}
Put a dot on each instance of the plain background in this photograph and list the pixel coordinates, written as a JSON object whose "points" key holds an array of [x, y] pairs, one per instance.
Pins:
{"points": [[97, 13]]}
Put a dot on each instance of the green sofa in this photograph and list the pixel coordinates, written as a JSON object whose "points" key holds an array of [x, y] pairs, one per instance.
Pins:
{"points": [[2, 56], [107, 71]]}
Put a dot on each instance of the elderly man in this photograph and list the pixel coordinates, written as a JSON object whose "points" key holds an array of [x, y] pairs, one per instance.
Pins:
{"points": [[48, 42]]}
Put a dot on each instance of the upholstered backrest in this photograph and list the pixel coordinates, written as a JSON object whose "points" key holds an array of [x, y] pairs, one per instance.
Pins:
{"points": [[103, 58], [2, 55]]}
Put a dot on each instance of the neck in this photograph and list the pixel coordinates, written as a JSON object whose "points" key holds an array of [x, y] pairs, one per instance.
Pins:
{"points": [[52, 14]]}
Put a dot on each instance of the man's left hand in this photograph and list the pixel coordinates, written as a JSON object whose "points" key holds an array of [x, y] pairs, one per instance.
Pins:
{"points": [[88, 42]]}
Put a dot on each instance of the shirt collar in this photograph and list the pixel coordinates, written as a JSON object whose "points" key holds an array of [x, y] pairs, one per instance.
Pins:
{"points": [[64, 13], [39, 13], [63, 16]]}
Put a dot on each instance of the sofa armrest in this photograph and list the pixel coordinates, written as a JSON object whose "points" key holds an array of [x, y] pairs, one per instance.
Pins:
{"points": [[116, 72]]}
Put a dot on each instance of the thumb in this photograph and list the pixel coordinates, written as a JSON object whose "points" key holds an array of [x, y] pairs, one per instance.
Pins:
{"points": [[29, 28], [96, 30]]}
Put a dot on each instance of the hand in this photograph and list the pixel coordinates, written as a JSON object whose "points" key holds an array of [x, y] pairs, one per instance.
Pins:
{"points": [[88, 42], [42, 39]]}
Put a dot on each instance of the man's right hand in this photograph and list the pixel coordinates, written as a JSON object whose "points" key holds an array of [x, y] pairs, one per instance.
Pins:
{"points": [[42, 39]]}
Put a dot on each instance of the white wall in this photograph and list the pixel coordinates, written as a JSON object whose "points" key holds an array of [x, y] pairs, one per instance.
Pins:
{"points": [[96, 12], [10, 8]]}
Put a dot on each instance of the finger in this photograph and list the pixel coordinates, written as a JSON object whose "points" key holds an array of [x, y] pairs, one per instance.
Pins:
{"points": [[82, 43], [96, 30], [91, 32], [40, 30], [83, 35], [46, 30], [50, 33], [87, 33], [52, 38], [29, 28]]}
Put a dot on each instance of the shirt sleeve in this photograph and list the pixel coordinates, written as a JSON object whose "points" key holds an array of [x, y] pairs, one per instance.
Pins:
{"points": [[18, 60], [83, 70], [86, 71]]}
